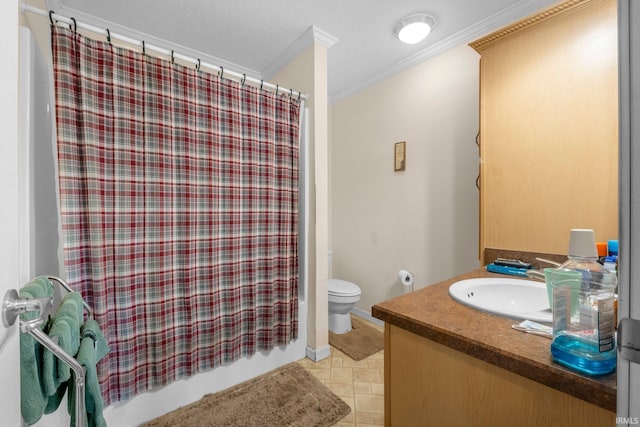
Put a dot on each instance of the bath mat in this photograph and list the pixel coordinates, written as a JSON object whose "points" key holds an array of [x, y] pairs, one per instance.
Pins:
{"points": [[287, 396], [361, 342]]}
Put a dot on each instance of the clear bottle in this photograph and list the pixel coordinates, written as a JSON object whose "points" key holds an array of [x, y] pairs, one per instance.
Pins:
{"points": [[583, 310]]}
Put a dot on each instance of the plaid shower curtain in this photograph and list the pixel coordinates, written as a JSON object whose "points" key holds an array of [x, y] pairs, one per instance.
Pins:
{"points": [[179, 206]]}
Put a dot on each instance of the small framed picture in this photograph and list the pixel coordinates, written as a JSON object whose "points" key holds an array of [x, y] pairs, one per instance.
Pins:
{"points": [[400, 156]]}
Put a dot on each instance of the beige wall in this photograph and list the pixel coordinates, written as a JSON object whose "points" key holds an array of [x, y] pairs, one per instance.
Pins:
{"points": [[308, 73], [424, 219]]}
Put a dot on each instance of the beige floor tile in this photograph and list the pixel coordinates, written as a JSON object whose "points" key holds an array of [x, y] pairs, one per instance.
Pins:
{"points": [[337, 353], [342, 374], [359, 383], [369, 417], [375, 363], [375, 389], [362, 388], [348, 362], [341, 388], [324, 363], [366, 375], [369, 403]]}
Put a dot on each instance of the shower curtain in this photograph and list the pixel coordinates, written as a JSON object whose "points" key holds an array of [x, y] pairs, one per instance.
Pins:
{"points": [[179, 207]]}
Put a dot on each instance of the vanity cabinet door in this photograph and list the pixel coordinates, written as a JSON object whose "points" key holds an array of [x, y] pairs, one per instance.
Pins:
{"points": [[430, 384], [549, 128]]}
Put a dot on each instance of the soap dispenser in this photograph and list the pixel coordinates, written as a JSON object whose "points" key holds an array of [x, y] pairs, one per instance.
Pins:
{"points": [[583, 309]]}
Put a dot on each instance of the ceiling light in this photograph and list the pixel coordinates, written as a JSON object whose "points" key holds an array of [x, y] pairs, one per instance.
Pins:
{"points": [[413, 28]]}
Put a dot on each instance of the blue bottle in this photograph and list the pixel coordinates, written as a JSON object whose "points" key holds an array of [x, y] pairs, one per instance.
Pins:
{"points": [[583, 313]]}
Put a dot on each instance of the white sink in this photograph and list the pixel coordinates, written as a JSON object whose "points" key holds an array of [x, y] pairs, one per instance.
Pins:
{"points": [[515, 298]]}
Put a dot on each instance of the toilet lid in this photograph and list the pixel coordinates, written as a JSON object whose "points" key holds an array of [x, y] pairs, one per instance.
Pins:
{"points": [[342, 287]]}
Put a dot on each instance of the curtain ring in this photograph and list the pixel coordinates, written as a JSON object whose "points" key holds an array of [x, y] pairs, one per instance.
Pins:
{"points": [[261, 83], [144, 50], [109, 36], [198, 65], [290, 93], [75, 25], [221, 71], [299, 95], [244, 79], [51, 12], [277, 89], [173, 60]]}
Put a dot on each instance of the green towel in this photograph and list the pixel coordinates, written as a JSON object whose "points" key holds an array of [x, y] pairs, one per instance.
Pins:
{"points": [[65, 327], [53, 401], [92, 330], [33, 399], [92, 348]]}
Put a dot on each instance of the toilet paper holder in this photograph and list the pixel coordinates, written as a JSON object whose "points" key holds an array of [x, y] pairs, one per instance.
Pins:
{"points": [[406, 278]]}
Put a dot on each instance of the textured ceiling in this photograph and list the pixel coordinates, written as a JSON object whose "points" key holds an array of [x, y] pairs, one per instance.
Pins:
{"points": [[254, 34]]}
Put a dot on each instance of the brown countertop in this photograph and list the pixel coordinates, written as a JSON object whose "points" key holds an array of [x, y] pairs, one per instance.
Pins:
{"points": [[431, 313]]}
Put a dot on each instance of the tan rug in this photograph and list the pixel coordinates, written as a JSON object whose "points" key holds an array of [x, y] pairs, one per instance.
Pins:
{"points": [[288, 396], [361, 342]]}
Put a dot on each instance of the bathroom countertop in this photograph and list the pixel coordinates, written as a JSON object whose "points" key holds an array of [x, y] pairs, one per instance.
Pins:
{"points": [[431, 313]]}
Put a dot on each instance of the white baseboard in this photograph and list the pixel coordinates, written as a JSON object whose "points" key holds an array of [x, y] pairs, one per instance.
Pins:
{"points": [[366, 315], [317, 354]]}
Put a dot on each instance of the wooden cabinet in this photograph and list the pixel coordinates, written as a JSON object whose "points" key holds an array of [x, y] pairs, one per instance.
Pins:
{"points": [[549, 128], [429, 384]]}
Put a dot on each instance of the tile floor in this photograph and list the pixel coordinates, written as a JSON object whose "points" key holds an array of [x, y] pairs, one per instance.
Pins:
{"points": [[360, 384]]}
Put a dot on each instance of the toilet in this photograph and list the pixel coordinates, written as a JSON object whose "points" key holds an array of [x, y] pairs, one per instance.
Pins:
{"points": [[343, 296]]}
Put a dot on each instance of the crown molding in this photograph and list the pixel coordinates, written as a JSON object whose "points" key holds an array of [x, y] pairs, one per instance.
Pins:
{"points": [[312, 36], [504, 17], [323, 38], [554, 12]]}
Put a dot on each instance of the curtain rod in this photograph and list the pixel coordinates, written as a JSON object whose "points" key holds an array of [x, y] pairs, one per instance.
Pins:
{"points": [[145, 46]]}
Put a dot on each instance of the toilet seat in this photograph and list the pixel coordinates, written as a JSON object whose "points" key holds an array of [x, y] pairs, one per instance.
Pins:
{"points": [[339, 287], [342, 297]]}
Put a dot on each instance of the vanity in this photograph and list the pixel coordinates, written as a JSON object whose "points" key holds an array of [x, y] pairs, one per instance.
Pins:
{"points": [[446, 364]]}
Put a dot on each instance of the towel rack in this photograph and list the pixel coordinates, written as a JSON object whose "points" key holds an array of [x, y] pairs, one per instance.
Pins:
{"points": [[13, 306]]}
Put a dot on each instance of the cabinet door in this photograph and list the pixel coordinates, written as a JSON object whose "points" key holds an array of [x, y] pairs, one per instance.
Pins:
{"points": [[549, 128], [429, 384]]}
